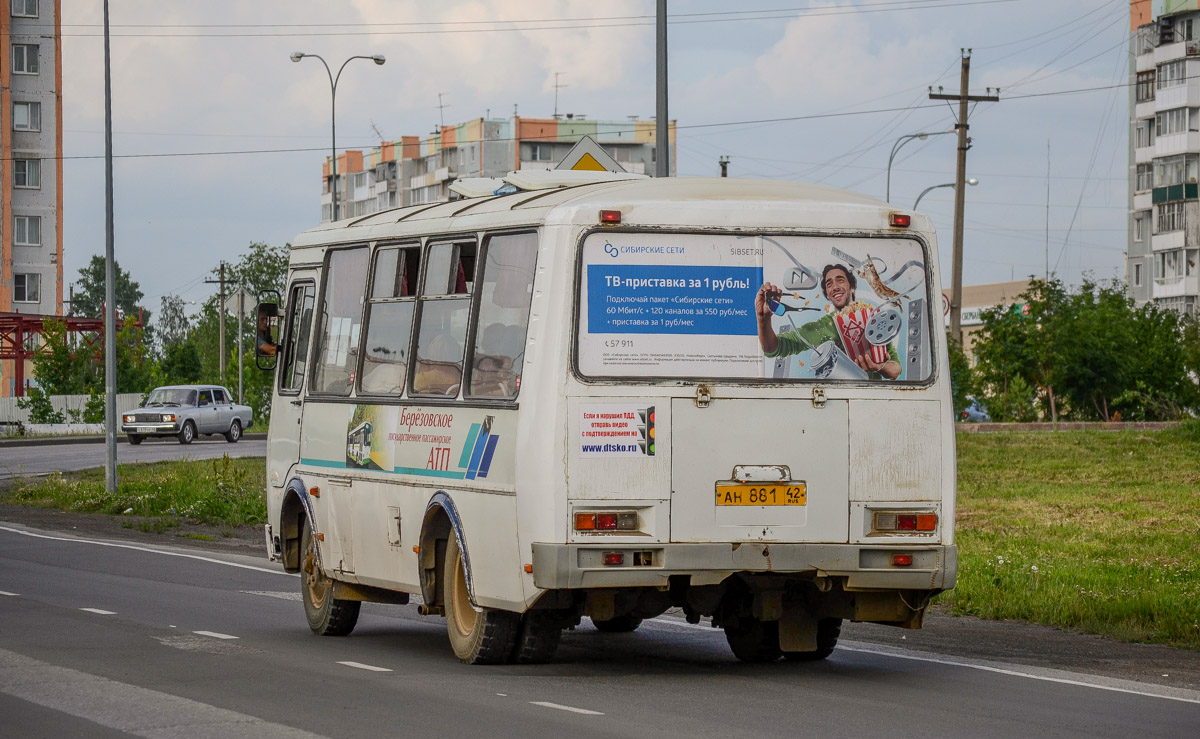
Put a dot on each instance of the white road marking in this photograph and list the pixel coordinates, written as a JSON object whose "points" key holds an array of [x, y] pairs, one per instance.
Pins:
{"points": [[5, 592], [99, 611], [214, 634], [560, 707], [136, 548], [1032, 673], [361, 666], [1083, 681], [128, 708], [282, 595]]}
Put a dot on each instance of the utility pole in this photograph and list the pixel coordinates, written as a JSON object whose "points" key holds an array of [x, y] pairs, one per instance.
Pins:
{"points": [[221, 317], [724, 162], [110, 280], [661, 143], [960, 179]]}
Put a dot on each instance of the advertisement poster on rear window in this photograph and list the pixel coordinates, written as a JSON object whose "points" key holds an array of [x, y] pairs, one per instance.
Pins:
{"points": [[753, 307]]}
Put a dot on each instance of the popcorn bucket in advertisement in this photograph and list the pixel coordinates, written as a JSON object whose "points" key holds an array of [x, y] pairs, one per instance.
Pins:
{"points": [[852, 327]]}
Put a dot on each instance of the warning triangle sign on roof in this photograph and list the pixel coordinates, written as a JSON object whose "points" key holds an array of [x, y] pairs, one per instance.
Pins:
{"points": [[589, 155]]}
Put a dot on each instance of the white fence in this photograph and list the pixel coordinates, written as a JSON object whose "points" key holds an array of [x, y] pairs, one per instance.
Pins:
{"points": [[11, 414]]}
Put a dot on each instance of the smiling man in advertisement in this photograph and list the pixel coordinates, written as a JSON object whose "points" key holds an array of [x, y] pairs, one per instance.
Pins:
{"points": [[842, 324]]}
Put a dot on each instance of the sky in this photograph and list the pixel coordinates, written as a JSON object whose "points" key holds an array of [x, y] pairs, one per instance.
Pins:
{"points": [[219, 138]]}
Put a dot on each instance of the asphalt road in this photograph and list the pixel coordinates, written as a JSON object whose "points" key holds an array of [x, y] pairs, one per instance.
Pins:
{"points": [[107, 639], [43, 458]]}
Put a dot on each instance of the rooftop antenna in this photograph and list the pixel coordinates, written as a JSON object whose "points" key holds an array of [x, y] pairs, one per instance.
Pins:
{"points": [[441, 110], [378, 133], [556, 88]]}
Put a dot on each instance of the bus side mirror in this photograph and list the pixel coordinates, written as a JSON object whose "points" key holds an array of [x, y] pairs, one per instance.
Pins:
{"points": [[266, 334]]}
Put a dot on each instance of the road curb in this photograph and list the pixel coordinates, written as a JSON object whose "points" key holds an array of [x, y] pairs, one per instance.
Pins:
{"points": [[60, 440]]}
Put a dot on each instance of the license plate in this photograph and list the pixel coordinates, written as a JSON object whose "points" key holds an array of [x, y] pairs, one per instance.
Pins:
{"points": [[755, 494]]}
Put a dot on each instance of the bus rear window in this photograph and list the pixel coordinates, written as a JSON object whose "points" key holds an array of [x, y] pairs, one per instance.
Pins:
{"points": [[754, 307]]}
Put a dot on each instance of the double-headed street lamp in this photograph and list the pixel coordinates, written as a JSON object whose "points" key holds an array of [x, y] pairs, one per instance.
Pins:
{"points": [[971, 182], [896, 147], [333, 80]]}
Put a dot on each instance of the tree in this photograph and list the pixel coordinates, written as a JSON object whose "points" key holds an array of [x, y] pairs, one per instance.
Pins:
{"points": [[1089, 352], [66, 365], [263, 267], [89, 292], [180, 363], [962, 377], [1021, 342], [173, 323]]}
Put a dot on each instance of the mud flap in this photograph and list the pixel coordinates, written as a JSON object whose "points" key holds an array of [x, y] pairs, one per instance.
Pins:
{"points": [[797, 629]]}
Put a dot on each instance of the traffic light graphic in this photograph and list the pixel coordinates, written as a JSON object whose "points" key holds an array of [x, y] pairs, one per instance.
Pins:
{"points": [[646, 430]]}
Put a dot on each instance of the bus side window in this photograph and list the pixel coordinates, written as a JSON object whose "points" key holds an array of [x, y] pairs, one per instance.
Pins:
{"points": [[505, 292], [389, 320], [300, 304], [445, 305], [341, 321]]}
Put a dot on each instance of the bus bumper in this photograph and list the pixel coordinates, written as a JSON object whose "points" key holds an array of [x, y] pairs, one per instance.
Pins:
{"points": [[863, 567]]}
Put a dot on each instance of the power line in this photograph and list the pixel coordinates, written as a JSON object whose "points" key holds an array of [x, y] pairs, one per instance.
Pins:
{"points": [[613, 129], [557, 24]]}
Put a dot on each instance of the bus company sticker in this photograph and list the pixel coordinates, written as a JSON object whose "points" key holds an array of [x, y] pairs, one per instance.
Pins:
{"points": [[611, 430], [366, 438]]}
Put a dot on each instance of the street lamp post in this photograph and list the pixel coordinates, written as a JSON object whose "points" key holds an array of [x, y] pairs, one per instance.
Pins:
{"points": [[333, 80], [900, 142], [971, 182]]}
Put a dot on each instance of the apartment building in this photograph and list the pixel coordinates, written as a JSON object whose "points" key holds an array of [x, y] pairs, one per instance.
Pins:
{"points": [[414, 170], [1163, 256], [31, 173]]}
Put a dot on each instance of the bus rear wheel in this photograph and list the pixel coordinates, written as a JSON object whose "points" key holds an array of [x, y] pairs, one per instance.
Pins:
{"points": [[828, 631], [479, 636], [752, 640], [327, 616]]}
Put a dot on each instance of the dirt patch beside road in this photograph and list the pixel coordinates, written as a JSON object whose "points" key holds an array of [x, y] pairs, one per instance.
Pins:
{"points": [[1000, 641]]}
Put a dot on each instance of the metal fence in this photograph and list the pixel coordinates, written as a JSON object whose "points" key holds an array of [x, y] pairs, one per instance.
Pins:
{"points": [[65, 404]]}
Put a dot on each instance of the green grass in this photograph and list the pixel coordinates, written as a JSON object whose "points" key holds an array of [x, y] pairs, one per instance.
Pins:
{"points": [[1091, 530], [220, 492]]}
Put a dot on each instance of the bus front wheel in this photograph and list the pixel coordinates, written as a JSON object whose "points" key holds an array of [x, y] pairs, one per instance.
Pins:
{"points": [[479, 636], [327, 616]]}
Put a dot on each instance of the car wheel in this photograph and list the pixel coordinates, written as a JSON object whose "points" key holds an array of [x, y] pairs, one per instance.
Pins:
{"points": [[327, 616], [479, 636], [235, 432], [134, 439], [187, 433]]}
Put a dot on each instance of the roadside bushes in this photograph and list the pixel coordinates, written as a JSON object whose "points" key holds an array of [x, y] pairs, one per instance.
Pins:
{"points": [[1086, 354]]}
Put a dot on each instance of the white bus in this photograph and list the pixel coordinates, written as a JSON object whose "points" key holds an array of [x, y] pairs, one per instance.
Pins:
{"points": [[358, 444], [607, 396]]}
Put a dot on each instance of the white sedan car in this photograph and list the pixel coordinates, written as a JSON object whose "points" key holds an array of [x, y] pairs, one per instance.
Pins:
{"points": [[185, 411]]}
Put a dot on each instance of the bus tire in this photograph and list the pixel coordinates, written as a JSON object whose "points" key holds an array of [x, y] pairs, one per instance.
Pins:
{"points": [[479, 636], [754, 641], [617, 625], [537, 641], [327, 616], [828, 631]]}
